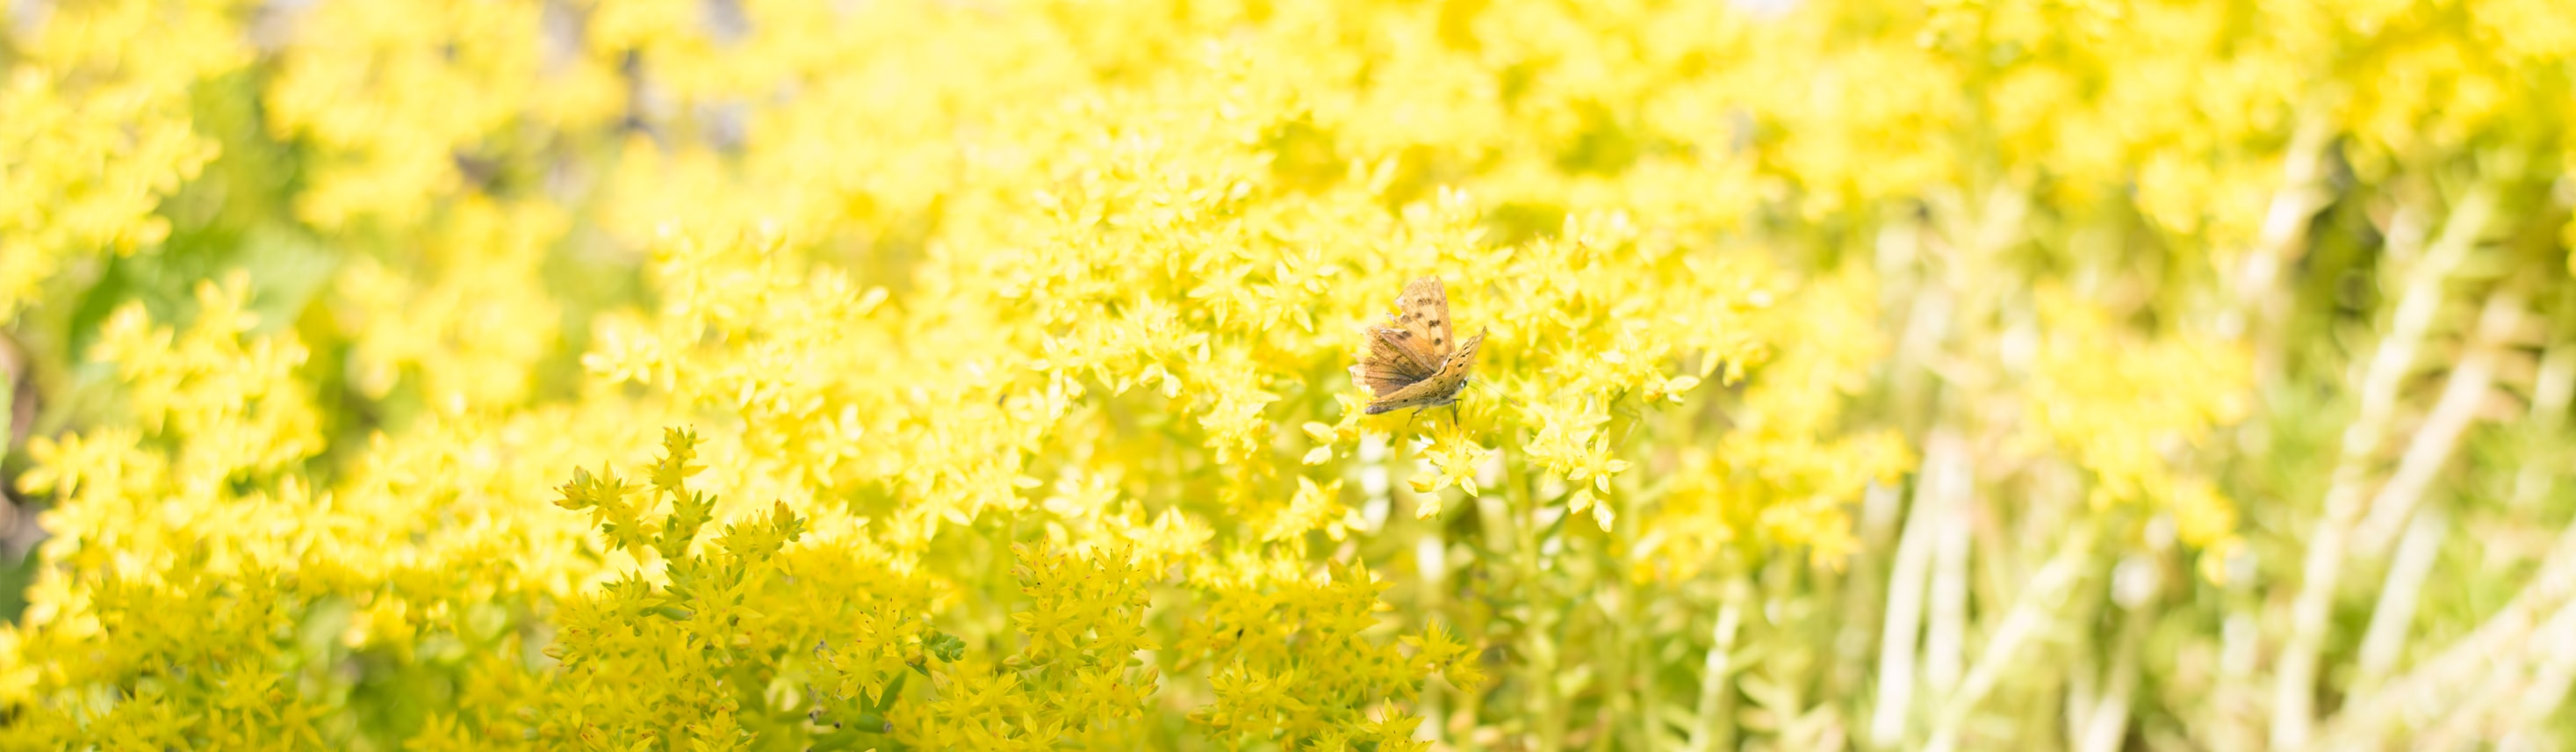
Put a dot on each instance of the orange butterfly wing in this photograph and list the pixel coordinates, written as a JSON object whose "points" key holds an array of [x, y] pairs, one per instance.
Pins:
{"points": [[1413, 361], [1388, 366], [1422, 322], [1440, 389]]}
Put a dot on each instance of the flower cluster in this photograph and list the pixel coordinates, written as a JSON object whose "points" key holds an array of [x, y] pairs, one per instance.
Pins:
{"points": [[996, 358]]}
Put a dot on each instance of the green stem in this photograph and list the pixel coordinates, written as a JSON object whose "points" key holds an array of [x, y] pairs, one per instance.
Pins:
{"points": [[1715, 728], [1538, 651]]}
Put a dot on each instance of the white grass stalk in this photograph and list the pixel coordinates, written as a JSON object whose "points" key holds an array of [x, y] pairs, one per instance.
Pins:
{"points": [[2385, 641], [2433, 685], [2031, 613], [1942, 454], [2294, 685], [2106, 725], [1945, 637], [2434, 443]]}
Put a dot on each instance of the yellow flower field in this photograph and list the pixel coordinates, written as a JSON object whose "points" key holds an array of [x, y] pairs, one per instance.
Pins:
{"points": [[976, 374]]}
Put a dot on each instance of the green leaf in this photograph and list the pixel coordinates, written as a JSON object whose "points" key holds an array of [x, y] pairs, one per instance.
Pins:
{"points": [[947, 647]]}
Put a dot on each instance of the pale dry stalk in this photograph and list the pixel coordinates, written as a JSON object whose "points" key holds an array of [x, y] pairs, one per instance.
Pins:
{"points": [[2294, 687], [2030, 615], [2434, 685], [1944, 477], [2439, 437]]}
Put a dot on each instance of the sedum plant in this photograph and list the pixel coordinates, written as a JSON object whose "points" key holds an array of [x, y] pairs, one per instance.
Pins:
{"points": [[780, 374]]}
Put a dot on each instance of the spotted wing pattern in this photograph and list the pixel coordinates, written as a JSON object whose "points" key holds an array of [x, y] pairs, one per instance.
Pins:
{"points": [[1388, 367], [1440, 389], [1421, 323]]}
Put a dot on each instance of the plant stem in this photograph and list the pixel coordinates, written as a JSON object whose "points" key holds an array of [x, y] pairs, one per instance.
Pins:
{"points": [[2294, 686], [2029, 614], [2107, 723], [1716, 724], [1938, 479], [2434, 683], [1538, 649], [2385, 639], [2439, 437]]}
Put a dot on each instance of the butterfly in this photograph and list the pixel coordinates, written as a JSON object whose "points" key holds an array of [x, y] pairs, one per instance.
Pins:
{"points": [[1413, 361]]}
